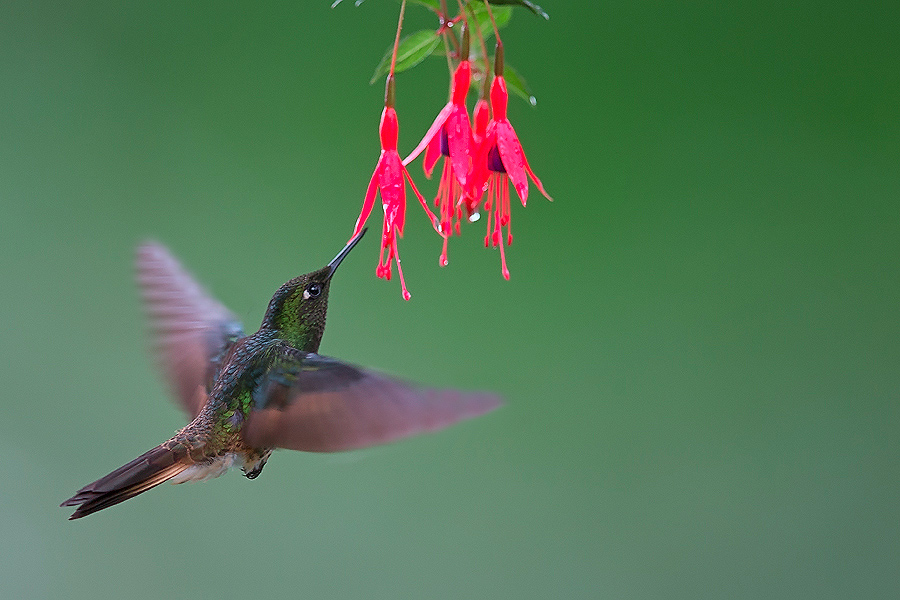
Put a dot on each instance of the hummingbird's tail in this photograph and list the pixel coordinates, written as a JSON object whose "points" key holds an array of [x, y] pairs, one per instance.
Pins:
{"points": [[146, 471]]}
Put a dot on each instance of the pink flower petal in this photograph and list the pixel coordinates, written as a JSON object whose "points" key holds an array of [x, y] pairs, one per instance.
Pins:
{"points": [[390, 179], [459, 143], [393, 192], [537, 181], [369, 201], [513, 158], [432, 131], [432, 154]]}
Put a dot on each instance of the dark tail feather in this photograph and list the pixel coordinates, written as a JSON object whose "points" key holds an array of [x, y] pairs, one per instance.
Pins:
{"points": [[146, 471]]}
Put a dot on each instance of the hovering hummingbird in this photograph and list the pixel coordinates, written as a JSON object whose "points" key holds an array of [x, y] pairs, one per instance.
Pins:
{"points": [[248, 395]]}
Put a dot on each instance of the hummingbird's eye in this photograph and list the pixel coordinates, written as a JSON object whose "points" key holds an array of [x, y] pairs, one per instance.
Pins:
{"points": [[312, 291]]}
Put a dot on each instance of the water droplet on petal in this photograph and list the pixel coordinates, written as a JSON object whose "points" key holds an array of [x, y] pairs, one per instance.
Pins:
{"points": [[474, 217]]}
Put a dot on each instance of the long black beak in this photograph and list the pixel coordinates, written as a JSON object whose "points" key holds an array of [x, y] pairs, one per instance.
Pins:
{"points": [[336, 261]]}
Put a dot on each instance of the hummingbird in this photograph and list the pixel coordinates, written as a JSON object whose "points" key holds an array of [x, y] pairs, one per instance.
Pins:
{"points": [[250, 394]]}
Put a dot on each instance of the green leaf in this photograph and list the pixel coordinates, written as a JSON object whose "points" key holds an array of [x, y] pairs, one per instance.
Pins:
{"points": [[483, 19], [429, 4], [534, 8], [413, 49], [518, 85]]}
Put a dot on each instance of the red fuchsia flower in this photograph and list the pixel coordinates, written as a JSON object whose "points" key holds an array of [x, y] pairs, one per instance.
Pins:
{"points": [[388, 180], [502, 152], [451, 136]]}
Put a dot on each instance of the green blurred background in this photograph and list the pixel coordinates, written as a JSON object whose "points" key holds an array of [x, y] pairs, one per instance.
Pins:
{"points": [[698, 346]]}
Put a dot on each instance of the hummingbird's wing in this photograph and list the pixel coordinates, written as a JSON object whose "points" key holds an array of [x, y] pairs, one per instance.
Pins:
{"points": [[319, 404], [191, 330]]}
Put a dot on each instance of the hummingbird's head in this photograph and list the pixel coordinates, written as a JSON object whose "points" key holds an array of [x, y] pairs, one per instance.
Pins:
{"points": [[297, 310]]}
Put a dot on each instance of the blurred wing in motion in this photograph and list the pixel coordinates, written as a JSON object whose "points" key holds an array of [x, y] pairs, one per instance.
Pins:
{"points": [[191, 330], [318, 404]]}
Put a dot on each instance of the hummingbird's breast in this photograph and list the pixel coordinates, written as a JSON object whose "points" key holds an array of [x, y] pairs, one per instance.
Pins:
{"points": [[231, 398]]}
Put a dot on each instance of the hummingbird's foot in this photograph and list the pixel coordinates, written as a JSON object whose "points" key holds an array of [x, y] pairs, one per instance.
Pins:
{"points": [[254, 473], [252, 468]]}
